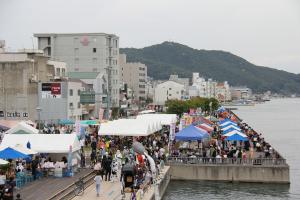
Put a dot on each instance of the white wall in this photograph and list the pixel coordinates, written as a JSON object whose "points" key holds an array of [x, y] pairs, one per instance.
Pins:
{"points": [[167, 91]]}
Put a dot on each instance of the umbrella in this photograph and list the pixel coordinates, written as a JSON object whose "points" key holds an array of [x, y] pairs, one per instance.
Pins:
{"points": [[10, 153], [3, 162], [236, 137]]}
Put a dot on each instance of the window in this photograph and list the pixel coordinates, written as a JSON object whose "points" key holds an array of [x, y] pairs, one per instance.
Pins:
{"points": [[71, 106], [141, 74], [170, 88], [78, 92], [141, 86], [49, 41], [57, 71], [142, 80], [63, 72], [75, 40], [142, 92], [76, 61], [78, 105], [71, 92], [170, 95], [94, 50], [76, 50]]}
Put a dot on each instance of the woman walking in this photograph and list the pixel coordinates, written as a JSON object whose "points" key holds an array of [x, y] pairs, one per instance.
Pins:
{"points": [[98, 180]]}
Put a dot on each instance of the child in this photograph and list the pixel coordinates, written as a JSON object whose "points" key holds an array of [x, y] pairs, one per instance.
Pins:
{"points": [[98, 180]]}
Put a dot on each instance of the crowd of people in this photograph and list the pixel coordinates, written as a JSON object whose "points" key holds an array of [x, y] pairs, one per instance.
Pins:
{"points": [[114, 159], [217, 149]]}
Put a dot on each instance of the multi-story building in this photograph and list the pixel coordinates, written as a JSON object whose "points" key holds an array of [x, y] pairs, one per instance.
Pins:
{"points": [[60, 100], [168, 90], [135, 76], [183, 81], [20, 73], [86, 52], [223, 92], [60, 69], [242, 92]]}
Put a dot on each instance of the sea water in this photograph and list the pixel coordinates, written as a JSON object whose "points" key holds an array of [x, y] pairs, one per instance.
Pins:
{"points": [[279, 122]]}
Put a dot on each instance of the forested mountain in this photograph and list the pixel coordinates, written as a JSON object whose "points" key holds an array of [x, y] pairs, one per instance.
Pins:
{"points": [[173, 58]]}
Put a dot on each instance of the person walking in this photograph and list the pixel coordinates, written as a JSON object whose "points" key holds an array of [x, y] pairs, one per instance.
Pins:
{"points": [[98, 180]]}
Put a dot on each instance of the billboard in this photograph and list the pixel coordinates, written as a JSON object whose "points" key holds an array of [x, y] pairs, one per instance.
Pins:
{"points": [[51, 90]]}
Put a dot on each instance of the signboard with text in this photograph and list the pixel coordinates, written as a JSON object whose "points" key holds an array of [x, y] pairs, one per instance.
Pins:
{"points": [[51, 90]]}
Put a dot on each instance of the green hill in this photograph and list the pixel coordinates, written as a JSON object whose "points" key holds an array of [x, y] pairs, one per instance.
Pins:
{"points": [[173, 58]]}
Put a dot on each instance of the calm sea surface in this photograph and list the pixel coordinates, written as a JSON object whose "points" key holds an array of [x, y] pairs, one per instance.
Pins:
{"points": [[279, 122]]}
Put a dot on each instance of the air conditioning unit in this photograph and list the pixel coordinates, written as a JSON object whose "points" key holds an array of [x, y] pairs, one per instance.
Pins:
{"points": [[33, 78]]}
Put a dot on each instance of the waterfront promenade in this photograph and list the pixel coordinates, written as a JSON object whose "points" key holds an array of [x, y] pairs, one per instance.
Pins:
{"points": [[112, 190], [45, 188]]}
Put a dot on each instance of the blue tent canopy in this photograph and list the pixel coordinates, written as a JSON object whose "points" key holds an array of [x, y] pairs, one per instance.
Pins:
{"points": [[221, 109], [66, 122], [227, 123], [230, 129], [190, 133], [10, 153], [236, 137]]}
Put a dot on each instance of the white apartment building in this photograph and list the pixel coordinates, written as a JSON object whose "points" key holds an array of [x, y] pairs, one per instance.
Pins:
{"points": [[223, 92], [86, 53], [168, 90], [135, 76], [209, 88], [242, 92], [60, 68]]}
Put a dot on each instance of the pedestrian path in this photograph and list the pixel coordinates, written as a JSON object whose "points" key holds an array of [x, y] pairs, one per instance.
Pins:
{"points": [[46, 187], [108, 191]]}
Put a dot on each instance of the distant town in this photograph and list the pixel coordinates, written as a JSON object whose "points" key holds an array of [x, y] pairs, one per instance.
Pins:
{"points": [[82, 76]]}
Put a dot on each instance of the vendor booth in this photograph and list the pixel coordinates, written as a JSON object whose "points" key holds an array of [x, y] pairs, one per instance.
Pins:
{"points": [[54, 146], [22, 128]]}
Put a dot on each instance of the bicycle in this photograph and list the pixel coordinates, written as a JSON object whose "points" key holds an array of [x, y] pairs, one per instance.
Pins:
{"points": [[79, 187]]}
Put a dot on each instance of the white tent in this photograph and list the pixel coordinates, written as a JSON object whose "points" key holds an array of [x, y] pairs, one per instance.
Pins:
{"points": [[22, 127], [3, 162], [146, 112], [165, 119], [43, 143], [130, 127]]}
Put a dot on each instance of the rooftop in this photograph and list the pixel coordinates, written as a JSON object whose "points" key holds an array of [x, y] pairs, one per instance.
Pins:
{"points": [[83, 75], [72, 34]]}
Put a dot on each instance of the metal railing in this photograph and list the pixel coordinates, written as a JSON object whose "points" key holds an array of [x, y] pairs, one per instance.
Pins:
{"points": [[227, 161]]}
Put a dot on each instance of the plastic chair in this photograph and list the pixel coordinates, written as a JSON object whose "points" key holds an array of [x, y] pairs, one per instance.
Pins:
{"points": [[29, 178]]}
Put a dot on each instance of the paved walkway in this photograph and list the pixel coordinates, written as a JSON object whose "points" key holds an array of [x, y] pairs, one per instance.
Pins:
{"points": [[112, 191], [46, 187]]}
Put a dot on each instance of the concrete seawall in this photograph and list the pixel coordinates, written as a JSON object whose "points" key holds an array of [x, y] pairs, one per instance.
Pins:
{"points": [[235, 173], [162, 185]]}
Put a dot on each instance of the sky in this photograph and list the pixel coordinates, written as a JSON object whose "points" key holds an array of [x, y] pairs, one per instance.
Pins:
{"points": [[265, 32]]}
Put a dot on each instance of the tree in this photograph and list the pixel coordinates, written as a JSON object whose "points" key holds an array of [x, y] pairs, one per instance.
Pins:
{"points": [[179, 107]]}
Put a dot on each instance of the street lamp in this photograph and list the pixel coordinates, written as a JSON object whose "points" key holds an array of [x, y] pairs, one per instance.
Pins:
{"points": [[39, 110]]}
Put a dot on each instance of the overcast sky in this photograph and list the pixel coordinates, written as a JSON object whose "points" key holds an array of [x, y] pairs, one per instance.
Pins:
{"points": [[265, 32]]}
